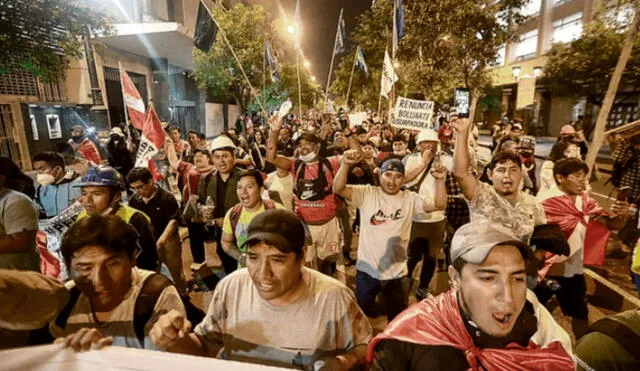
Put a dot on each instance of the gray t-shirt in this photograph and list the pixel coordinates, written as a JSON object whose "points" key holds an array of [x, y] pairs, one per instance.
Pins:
{"points": [[325, 321], [18, 214]]}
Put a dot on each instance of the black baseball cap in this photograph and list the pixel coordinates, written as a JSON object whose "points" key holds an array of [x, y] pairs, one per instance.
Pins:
{"points": [[281, 228], [392, 165], [309, 137]]}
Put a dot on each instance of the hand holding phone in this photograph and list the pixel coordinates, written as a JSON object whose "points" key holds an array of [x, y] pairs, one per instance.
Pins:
{"points": [[461, 101]]}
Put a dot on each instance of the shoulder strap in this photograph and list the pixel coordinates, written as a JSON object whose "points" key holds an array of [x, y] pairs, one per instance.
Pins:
{"points": [[618, 331], [151, 290], [234, 217], [63, 317], [416, 186]]}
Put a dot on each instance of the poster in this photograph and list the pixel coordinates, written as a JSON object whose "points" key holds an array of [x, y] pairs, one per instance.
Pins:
{"points": [[526, 92], [34, 127], [53, 124], [55, 227], [356, 119], [53, 358], [413, 114]]}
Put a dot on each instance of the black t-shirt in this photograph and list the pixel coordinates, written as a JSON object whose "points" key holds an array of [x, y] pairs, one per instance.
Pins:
{"points": [[161, 209], [221, 196]]}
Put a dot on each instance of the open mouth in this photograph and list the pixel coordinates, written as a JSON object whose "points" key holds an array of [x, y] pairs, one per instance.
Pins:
{"points": [[502, 318], [265, 286]]}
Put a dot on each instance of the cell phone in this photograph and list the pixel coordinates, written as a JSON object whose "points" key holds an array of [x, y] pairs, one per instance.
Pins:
{"points": [[623, 194], [461, 101]]}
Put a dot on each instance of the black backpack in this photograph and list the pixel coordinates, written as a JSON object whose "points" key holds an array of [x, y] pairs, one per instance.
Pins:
{"points": [[320, 184]]}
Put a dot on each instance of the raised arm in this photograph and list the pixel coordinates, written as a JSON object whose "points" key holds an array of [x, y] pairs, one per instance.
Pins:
{"points": [[427, 156], [439, 172], [340, 187], [280, 162], [174, 161], [461, 156]]}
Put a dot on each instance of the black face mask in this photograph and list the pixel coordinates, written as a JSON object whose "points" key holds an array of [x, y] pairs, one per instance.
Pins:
{"points": [[77, 138]]}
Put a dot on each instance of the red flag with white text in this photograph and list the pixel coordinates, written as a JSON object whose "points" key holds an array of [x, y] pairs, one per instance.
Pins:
{"points": [[151, 141], [89, 151], [132, 100]]}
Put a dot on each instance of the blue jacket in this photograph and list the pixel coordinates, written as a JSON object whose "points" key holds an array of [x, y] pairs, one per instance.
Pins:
{"points": [[54, 198]]}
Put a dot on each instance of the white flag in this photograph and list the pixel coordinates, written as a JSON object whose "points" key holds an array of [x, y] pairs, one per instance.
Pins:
{"points": [[389, 77]]}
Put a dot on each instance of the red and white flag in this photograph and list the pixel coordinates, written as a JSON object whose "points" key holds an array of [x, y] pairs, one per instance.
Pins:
{"points": [[89, 151], [132, 100], [151, 141]]}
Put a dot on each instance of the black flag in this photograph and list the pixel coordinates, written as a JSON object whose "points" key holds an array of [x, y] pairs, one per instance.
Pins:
{"points": [[206, 30]]}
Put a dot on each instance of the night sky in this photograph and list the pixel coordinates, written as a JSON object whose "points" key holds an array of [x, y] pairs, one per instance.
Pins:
{"points": [[319, 22]]}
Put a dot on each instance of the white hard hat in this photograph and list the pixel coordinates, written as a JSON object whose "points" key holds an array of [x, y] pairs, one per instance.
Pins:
{"points": [[222, 141], [427, 135]]}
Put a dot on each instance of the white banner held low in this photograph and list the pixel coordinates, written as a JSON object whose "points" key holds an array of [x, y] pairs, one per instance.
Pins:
{"points": [[413, 114], [356, 119]]}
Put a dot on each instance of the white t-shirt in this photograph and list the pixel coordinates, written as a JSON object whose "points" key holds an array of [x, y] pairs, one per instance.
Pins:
{"points": [[385, 227], [324, 321], [575, 263], [428, 187], [284, 187]]}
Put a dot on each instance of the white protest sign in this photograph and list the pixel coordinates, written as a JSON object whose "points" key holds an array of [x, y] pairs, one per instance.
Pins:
{"points": [[54, 358], [55, 227], [412, 114], [356, 119]]}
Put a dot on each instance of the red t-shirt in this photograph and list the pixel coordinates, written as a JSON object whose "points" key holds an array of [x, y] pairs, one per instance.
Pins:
{"points": [[190, 177], [320, 211]]}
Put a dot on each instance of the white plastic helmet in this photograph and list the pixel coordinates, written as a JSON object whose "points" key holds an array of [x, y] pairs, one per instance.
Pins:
{"points": [[222, 141], [427, 135]]}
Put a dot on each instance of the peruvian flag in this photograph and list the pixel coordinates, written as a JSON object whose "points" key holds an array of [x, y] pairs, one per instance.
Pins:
{"points": [[151, 141], [132, 100], [89, 151]]}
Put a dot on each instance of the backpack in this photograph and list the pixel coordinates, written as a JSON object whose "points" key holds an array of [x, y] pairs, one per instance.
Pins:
{"points": [[146, 301], [320, 185]]}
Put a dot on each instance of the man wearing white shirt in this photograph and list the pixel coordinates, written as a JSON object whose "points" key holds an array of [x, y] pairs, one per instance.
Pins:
{"points": [[386, 213], [427, 229]]}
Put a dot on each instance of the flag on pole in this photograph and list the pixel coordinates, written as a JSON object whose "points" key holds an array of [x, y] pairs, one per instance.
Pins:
{"points": [[297, 20], [206, 30], [89, 151], [389, 76], [132, 100], [271, 62], [151, 142], [360, 62], [398, 24], [340, 37]]}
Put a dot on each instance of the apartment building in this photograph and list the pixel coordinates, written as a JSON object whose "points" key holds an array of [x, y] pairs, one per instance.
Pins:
{"points": [[520, 65], [153, 42]]}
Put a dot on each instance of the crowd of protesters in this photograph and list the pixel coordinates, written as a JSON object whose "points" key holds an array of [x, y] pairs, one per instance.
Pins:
{"points": [[284, 200]]}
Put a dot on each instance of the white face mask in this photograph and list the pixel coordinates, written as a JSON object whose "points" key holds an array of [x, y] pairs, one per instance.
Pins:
{"points": [[45, 179], [309, 157]]}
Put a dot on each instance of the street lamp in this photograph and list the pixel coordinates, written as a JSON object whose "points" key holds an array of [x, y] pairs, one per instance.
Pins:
{"points": [[306, 64], [396, 64], [537, 71], [313, 78], [516, 71], [291, 29]]}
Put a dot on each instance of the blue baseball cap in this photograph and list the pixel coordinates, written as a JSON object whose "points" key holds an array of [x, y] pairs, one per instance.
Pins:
{"points": [[392, 165]]}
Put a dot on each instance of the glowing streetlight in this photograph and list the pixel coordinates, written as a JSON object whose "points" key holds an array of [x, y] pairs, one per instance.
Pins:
{"points": [[313, 78], [396, 64], [306, 64], [291, 29]]}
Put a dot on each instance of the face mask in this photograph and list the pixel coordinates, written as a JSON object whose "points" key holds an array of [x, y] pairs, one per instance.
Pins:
{"points": [[77, 138], [308, 158], [45, 179]]}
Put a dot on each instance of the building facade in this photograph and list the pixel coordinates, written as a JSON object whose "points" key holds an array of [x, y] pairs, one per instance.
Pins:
{"points": [[520, 64]]}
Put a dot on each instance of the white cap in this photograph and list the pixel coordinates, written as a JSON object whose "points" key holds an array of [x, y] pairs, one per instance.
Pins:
{"points": [[427, 135], [474, 241], [222, 141]]}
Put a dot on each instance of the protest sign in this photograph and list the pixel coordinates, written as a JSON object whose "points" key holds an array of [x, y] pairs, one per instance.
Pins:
{"points": [[54, 228], [356, 119], [626, 131], [53, 358], [412, 114]]}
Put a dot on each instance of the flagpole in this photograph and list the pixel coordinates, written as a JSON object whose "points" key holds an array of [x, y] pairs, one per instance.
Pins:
{"points": [[264, 78], [333, 56], [224, 36], [124, 101], [299, 87], [394, 41], [353, 68]]}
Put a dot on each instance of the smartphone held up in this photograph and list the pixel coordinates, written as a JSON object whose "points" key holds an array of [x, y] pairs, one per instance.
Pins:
{"points": [[461, 101]]}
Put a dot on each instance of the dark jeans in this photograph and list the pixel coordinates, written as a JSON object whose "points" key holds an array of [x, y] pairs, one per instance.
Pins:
{"points": [[196, 241], [425, 242], [636, 280], [345, 224], [367, 288]]}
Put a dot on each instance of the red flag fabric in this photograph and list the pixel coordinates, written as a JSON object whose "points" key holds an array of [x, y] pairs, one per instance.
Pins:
{"points": [[438, 322], [562, 210], [132, 100], [152, 140], [89, 151], [155, 172], [49, 264]]}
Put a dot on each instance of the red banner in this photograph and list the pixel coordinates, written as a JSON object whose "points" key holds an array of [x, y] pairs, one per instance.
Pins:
{"points": [[89, 151], [132, 100], [152, 140]]}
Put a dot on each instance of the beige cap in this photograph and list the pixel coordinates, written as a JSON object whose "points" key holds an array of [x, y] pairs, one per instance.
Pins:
{"points": [[473, 241]]}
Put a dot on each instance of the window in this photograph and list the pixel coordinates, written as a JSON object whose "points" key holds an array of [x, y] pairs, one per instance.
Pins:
{"points": [[567, 29], [500, 56], [528, 44], [531, 8]]}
